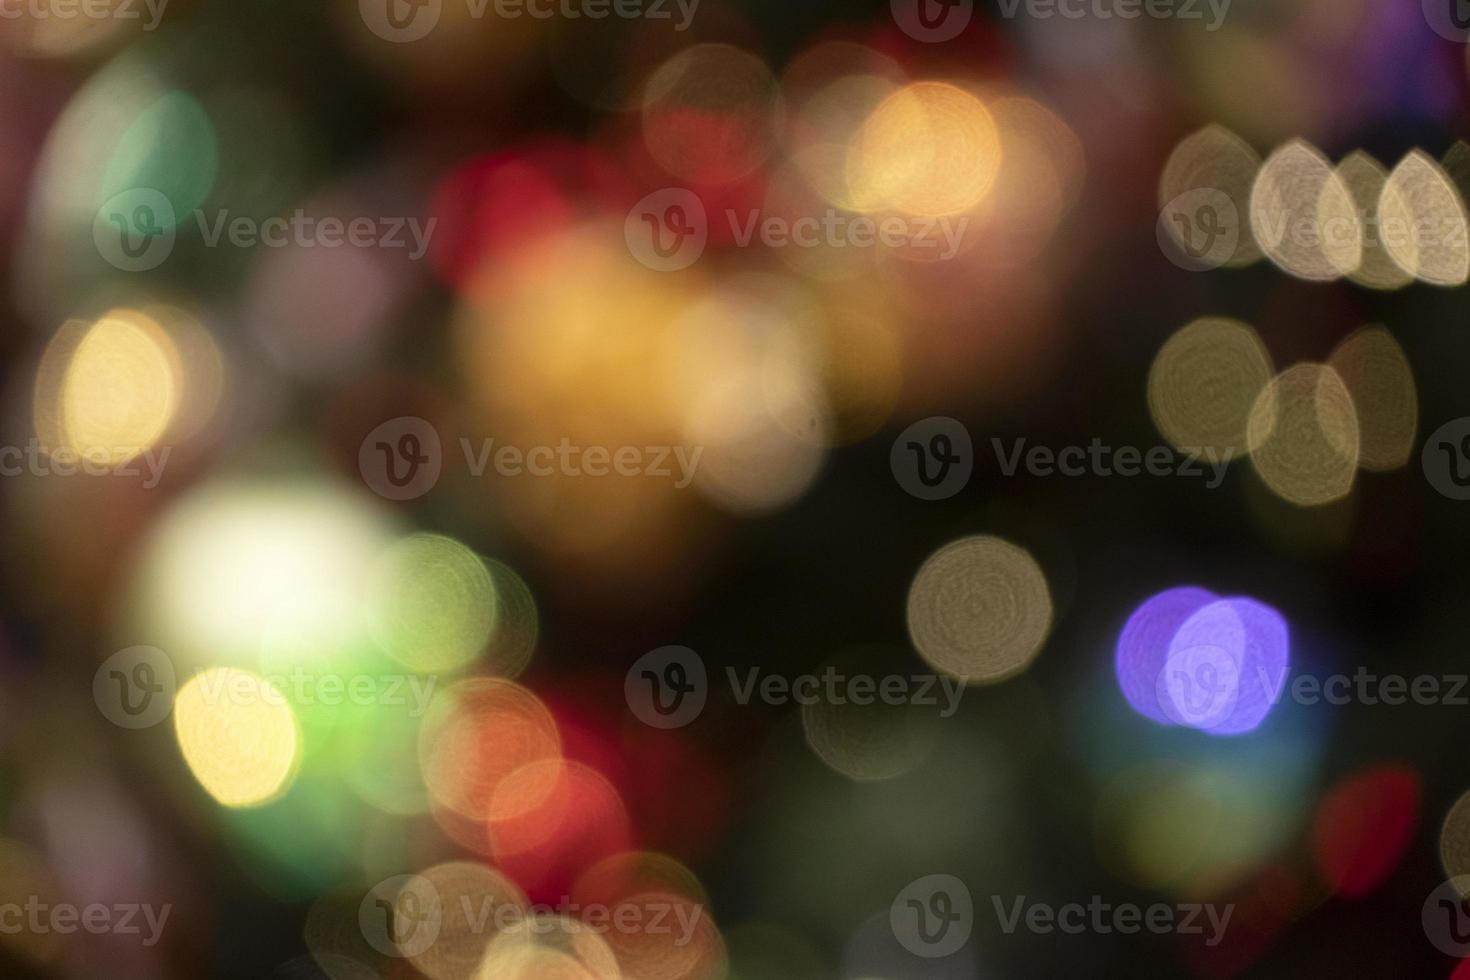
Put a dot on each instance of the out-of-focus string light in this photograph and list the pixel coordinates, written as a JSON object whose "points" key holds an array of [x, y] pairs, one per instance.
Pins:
{"points": [[549, 819], [1364, 177], [931, 148], [749, 388], [709, 114], [695, 951], [979, 609], [1377, 374], [237, 556], [1364, 826], [1454, 839], [478, 733], [238, 735], [464, 905], [1303, 217], [1042, 169], [551, 946], [1304, 436], [107, 391], [431, 603], [1212, 161], [1186, 657], [618, 876], [1203, 384], [1423, 222], [866, 742]]}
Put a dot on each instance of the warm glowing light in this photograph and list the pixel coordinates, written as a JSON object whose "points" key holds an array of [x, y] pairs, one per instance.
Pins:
{"points": [[708, 113], [431, 603], [467, 906], [868, 742], [1203, 383], [238, 736], [549, 945], [1303, 434], [107, 391], [694, 950], [479, 732], [930, 149], [1212, 159], [238, 559], [1423, 222], [979, 609], [1303, 216], [1377, 374], [1365, 177], [1454, 839]]}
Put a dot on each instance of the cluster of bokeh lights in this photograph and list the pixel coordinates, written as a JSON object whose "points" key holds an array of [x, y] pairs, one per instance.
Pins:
{"points": [[1190, 658]]}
